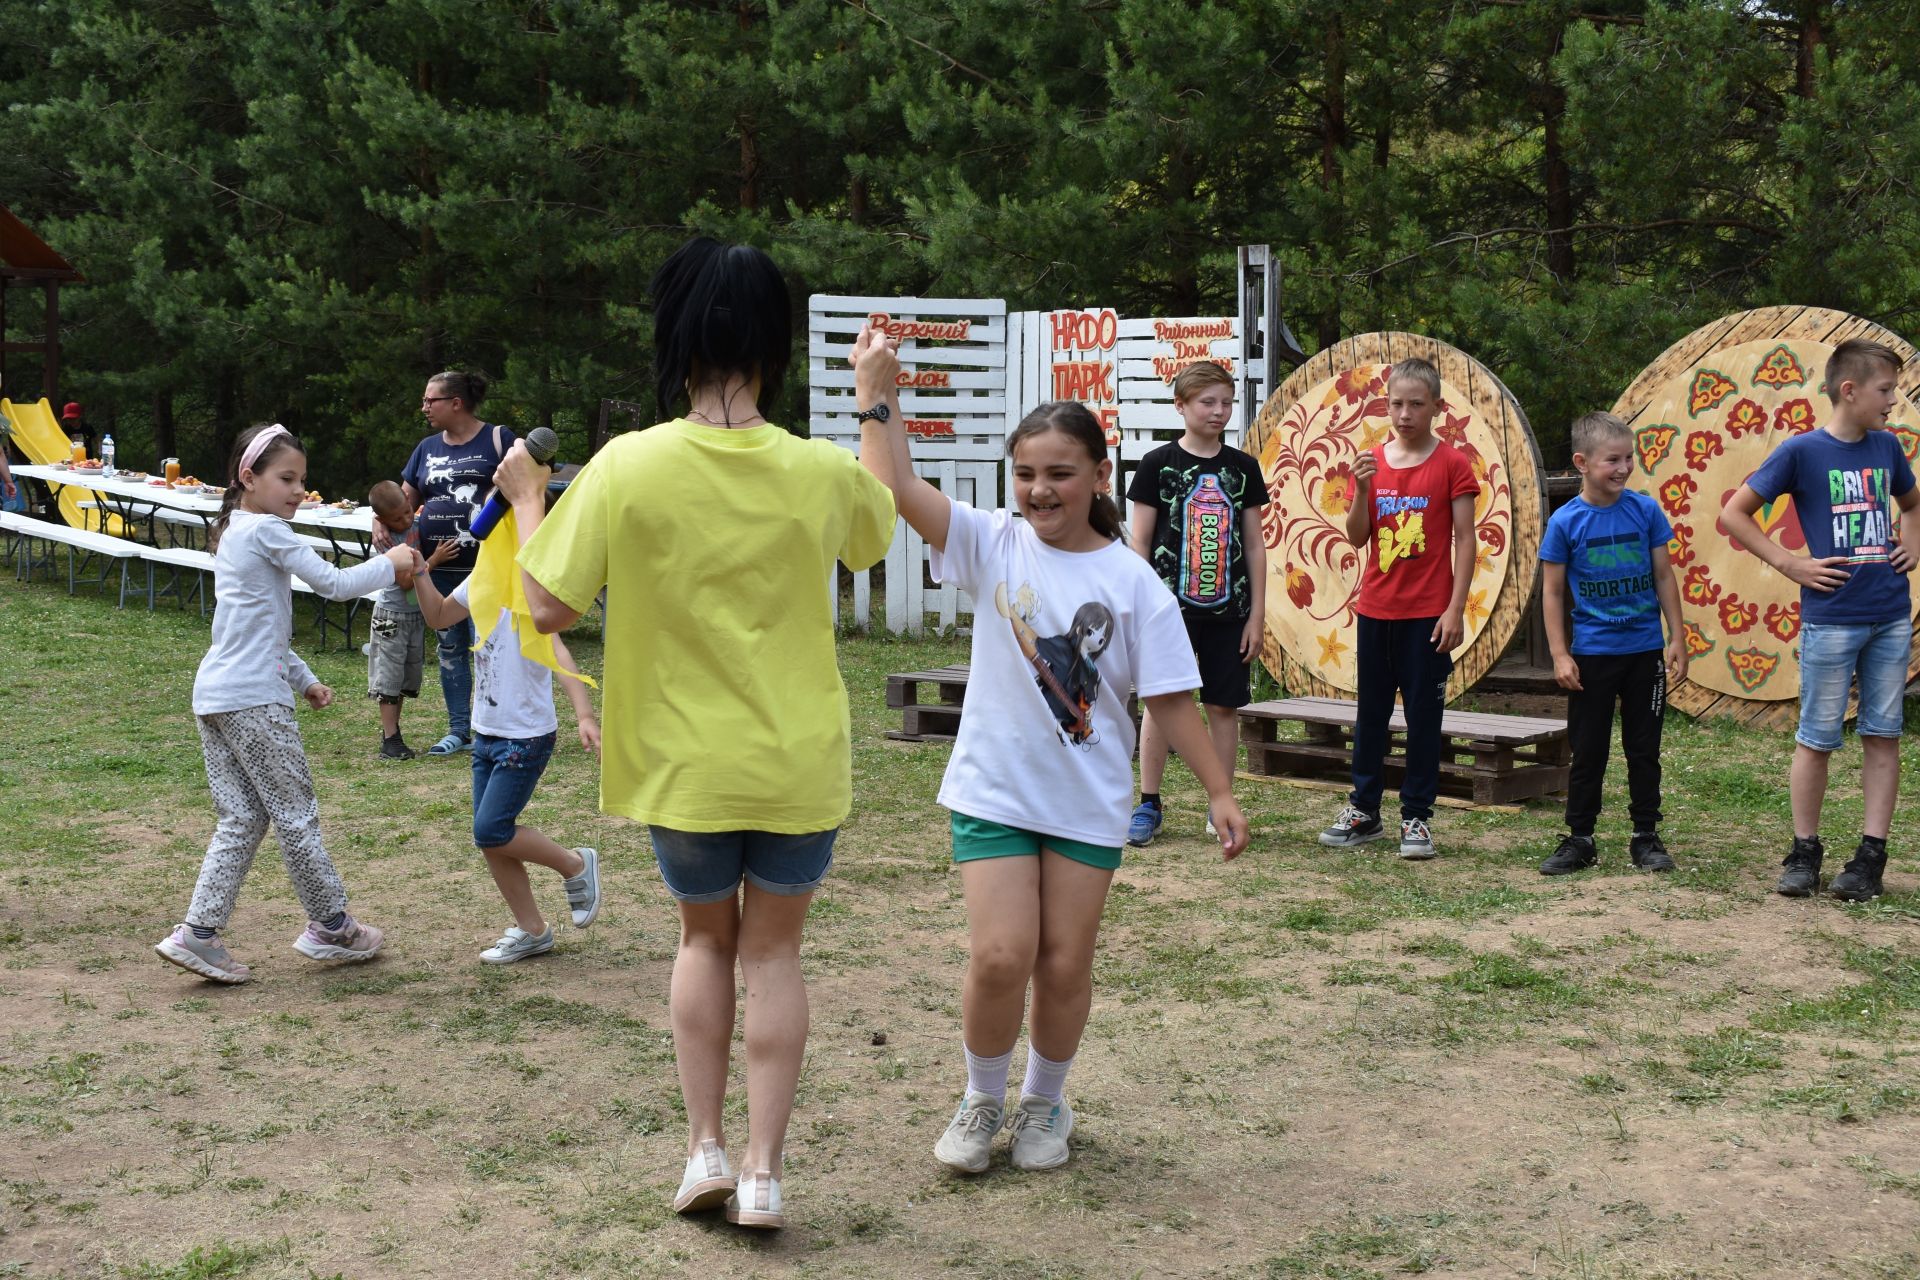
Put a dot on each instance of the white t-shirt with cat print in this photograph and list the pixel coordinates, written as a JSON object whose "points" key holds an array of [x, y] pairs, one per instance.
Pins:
{"points": [[1059, 638]]}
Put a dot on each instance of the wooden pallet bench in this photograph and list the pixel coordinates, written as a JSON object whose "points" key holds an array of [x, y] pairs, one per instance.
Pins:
{"points": [[1485, 758], [927, 721], [939, 721]]}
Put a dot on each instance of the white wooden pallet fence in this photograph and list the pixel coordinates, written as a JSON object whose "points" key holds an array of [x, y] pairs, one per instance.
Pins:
{"points": [[953, 360], [970, 371]]}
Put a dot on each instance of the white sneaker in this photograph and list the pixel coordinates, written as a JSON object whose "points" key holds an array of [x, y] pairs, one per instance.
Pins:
{"points": [[517, 944], [708, 1180], [1040, 1130], [756, 1202], [583, 890], [969, 1137], [1416, 841]]}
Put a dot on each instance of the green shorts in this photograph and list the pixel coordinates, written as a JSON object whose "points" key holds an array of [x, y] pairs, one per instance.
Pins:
{"points": [[975, 838]]}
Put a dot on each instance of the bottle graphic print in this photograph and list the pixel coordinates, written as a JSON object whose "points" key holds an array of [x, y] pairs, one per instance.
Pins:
{"points": [[1209, 528]]}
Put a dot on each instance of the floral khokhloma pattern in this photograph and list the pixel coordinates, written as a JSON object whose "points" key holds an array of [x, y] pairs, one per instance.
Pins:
{"points": [[1313, 571], [1703, 433]]}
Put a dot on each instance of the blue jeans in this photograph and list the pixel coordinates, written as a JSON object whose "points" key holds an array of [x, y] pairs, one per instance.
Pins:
{"points": [[707, 866], [1830, 655], [456, 659], [505, 772]]}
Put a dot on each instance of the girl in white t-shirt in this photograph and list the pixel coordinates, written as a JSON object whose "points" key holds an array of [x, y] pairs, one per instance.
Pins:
{"points": [[514, 728], [1043, 768]]}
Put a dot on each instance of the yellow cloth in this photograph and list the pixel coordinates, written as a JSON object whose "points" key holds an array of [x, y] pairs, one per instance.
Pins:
{"points": [[724, 709], [494, 583]]}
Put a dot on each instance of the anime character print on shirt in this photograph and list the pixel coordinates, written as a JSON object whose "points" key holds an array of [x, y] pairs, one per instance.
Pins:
{"points": [[1206, 504], [1066, 667]]}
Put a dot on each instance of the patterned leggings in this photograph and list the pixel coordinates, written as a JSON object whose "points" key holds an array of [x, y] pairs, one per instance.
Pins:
{"points": [[257, 770]]}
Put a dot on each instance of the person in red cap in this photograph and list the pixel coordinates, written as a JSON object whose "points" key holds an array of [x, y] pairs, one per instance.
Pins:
{"points": [[73, 422]]}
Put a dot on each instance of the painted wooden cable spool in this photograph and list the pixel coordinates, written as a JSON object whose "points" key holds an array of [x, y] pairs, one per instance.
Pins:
{"points": [[1705, 416], [1325, 415]]}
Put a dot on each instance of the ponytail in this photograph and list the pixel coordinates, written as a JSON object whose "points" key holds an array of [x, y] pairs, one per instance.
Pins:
{"points": [[1073, 419]]}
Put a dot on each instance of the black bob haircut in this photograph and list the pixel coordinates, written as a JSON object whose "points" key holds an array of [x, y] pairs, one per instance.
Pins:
{"points": [[723, 308]]}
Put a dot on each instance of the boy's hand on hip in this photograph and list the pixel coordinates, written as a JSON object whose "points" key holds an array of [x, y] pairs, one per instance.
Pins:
{"points": [[1822, 575], [1901, 559], [1448, 631], [1566, 673]]}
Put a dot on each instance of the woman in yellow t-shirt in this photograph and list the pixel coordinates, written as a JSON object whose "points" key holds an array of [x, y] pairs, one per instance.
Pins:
{"points": [[726, 726]]}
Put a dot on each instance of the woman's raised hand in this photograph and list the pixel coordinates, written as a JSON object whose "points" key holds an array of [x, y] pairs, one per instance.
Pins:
{"points": [[876, 366]]}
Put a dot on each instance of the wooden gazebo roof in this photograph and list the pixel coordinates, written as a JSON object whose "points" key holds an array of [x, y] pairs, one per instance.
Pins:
{"points": [[26, 259]]}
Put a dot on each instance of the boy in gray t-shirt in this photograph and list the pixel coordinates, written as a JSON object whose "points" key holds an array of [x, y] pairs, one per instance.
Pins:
{"points": [[397, 649]]}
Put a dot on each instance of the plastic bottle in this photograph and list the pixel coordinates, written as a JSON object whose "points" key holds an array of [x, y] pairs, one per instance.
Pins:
{"points": [[106, 455]]}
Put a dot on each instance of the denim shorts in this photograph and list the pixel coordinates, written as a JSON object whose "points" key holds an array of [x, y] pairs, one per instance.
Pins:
{"points": [[707, 866], [505, 771], [1830, 656]]}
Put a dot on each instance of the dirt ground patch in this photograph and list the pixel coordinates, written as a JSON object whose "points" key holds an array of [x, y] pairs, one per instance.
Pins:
{"points": [[1304, 1064]]}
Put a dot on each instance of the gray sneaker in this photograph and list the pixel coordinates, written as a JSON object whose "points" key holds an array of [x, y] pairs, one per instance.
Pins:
{"points": [[1353, 826], [517, 944], [1040, 1130], [1416, 841], [207, 957], [969, 1137], [583, 890]]}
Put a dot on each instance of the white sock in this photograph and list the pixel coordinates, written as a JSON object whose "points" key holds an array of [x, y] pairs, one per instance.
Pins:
{"points": [[1045, 1077], [988, 1075]]}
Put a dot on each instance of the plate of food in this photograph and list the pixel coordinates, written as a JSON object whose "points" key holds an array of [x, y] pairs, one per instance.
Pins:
{"points": [[158, 483], [345, 504], [132, 477]]}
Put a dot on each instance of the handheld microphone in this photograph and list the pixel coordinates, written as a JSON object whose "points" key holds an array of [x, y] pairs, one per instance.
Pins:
{"points": [[542, 445]]}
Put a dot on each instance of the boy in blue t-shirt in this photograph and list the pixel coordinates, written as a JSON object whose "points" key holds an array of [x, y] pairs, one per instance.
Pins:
{"points": [[1855, 609], [1607, 549]]}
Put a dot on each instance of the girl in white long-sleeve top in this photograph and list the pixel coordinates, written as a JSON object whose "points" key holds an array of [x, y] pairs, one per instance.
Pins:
{"points": [[243, 699]]}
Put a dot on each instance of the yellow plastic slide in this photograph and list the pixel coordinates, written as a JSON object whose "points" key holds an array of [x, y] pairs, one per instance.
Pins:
{"points": [[37, 434]]}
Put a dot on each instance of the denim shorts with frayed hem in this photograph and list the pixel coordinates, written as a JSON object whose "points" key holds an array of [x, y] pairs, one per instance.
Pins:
{"points": [[1831, 654], [707, 866]]}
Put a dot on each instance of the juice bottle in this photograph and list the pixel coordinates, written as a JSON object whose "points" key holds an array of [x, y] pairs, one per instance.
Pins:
{"points": [[79, 451]]}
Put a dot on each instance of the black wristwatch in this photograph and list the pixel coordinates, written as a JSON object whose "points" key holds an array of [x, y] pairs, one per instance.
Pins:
{"points": [[879, 413]]}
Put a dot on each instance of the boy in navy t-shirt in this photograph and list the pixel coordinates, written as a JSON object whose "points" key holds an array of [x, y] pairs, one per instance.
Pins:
{"points": [[1855, 610], [1607, 550]]}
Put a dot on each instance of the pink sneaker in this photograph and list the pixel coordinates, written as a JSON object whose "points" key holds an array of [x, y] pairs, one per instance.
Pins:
{"points": [[352, 941], [207, 957]]}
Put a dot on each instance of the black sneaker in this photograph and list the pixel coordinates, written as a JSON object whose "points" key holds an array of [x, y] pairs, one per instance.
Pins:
{"points": [[1575, 853], [1859, 881], [1648, 853], [1801, 879], [395, 748]]}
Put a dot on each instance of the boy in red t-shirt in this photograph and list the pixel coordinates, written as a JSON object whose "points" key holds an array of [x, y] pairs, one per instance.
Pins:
{"points": [[1413, 492]]}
